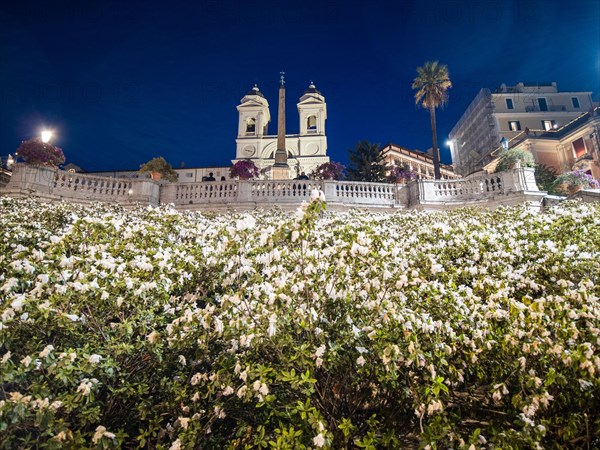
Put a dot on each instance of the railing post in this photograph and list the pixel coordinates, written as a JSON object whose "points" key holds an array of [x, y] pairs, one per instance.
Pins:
{"points": [[519, 180], [527, 177], [244, 191], [145, 192], [329, 188], [27, 178], [402, 197], [168, 193], [426, 190]]}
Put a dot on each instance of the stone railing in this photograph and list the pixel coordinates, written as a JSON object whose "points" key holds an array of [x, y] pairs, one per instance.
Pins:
{"points": [[231, 193], [66, 183], [4, 177], [476, 189], [286, 191], [199, 193], [363, 192], [51, 184], [512, 187]]}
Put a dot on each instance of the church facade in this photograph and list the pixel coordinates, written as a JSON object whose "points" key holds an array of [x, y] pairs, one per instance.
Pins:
{"points": [[305, 150]]}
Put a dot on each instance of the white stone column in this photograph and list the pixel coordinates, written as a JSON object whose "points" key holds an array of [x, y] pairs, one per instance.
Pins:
{"points": [[244, 191], [329, 188]]}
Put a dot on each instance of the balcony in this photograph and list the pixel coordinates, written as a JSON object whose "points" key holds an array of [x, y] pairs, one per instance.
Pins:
{"points": [[551, 108]]}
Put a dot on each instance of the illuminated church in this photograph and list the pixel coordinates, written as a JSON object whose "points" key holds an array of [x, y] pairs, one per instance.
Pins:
{"points": [[282, 155], [278, 156]]}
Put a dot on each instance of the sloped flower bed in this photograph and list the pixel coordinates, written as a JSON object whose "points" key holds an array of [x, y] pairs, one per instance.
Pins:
{"points": [[158, 329]]}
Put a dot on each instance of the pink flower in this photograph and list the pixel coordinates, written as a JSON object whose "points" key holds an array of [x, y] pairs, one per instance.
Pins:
{"points": [[34, 151]]}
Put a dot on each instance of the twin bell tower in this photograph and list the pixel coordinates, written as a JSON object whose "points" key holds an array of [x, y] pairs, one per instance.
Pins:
{"points": [[282, 156]]}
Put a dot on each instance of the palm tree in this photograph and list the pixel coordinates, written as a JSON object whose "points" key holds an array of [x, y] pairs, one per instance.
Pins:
{"points": [[432, 86]]}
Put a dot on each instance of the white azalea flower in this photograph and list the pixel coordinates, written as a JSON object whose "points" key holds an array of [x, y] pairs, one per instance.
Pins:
{"points": [[94, 359], [319, 440], [47, 350]]}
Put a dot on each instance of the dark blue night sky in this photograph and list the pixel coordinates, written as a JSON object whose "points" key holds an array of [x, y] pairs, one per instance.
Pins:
{"points": [[121, 82]]}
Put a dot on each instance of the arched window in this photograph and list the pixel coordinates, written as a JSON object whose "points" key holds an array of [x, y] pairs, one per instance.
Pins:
{"points": [[311, 123], [250, 125]]}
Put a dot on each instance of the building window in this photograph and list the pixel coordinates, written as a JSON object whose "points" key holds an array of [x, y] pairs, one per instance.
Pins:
{"points": [[509, 104], [543, 104], [579, 148], [311, 123], [190, 174], [250, 125], [514, 125], [548, 124], [575, 102]]}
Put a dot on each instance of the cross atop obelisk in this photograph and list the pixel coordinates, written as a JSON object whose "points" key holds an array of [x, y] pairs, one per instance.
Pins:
{"points": [[281, 170]]}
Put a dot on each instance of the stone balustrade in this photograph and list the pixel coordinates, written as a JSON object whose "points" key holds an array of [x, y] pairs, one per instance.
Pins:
{"points": [[51, 184], [519, 184], [512, 187]]}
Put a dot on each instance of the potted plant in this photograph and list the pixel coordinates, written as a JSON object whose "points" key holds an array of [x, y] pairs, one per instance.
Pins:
{"points": [[244, 169], [513, 158], [159, 168], [569, 183], [35, 151], [401, 174], [328, 171]]}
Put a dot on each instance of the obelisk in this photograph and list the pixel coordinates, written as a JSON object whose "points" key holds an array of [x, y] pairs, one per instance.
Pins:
{"points": [[281, 169]]}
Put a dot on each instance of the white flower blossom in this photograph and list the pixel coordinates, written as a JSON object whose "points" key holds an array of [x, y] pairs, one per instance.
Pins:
{"points": [[26, 361], [319, 440], [100, 433], [47, 350], [153, 337], [94, 359], [176, 445]]}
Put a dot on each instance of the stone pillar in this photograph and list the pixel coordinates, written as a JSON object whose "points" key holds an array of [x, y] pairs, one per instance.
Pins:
{"points": [[281, 169], [244, 191], [330, 191]]}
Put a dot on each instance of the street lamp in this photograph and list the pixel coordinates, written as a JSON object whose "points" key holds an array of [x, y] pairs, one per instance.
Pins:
{"points": [[46, 136], [10, 162]]}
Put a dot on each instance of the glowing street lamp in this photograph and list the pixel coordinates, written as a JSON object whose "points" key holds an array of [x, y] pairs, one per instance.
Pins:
{"points": [[46, 136]]}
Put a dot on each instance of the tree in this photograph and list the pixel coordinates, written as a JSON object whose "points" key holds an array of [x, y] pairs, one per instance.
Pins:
{"points": [[160, 166], [366, 163], [432, 86]]}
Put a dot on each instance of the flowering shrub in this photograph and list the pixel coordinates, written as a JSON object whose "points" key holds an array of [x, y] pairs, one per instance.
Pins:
{"points": [[160, 329], [569, 182], [35, 151], [244, 168], [329, 171], [401, 174]]}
